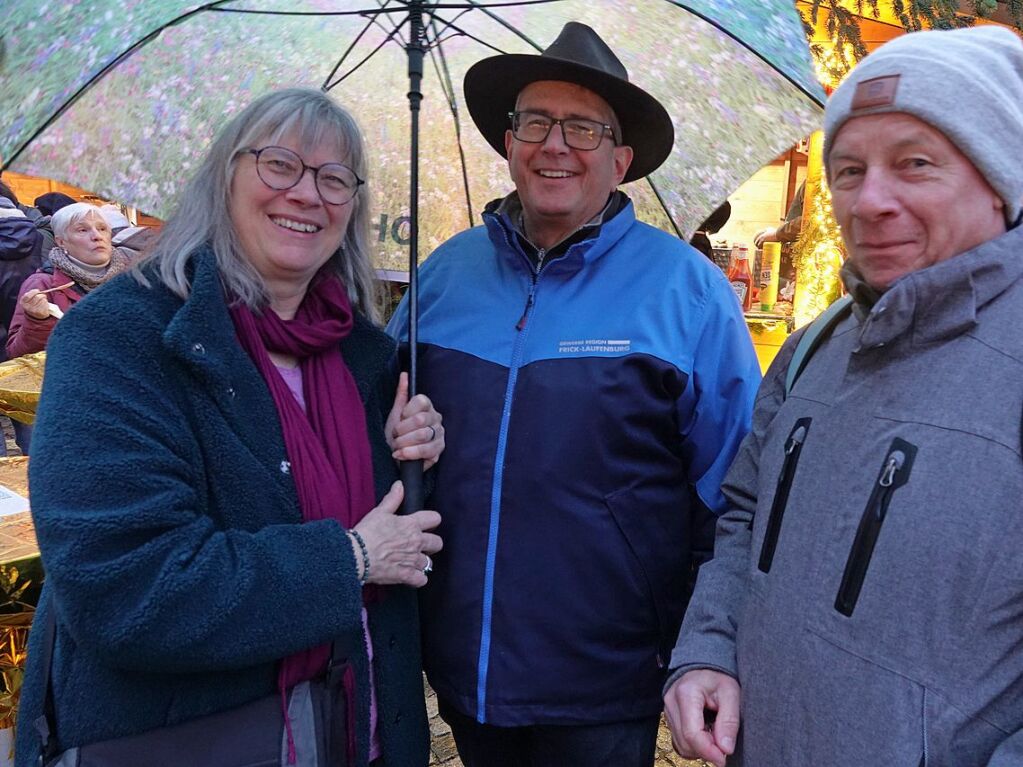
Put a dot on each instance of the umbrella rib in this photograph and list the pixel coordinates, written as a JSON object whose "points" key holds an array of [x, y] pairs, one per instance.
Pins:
{"points": [[403, 9], [685, 6], [510, 27], [664, 207], [102, 73], [256, 12], [444, 75], [397, 28], [367, 57], [351, 46], [456, 31], [437, 33]]}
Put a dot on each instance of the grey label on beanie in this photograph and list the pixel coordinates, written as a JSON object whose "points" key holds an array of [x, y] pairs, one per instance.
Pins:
{"points": [[879, 92]]}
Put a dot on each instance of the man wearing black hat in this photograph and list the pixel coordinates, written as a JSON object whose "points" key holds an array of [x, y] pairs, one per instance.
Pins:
{"points": [[597, 378]]}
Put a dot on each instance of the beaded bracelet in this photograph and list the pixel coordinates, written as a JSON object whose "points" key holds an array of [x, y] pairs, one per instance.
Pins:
{"points": [[365, 555]]}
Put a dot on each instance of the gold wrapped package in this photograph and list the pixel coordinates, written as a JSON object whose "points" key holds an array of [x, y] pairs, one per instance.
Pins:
{"points": [[21, 380]]}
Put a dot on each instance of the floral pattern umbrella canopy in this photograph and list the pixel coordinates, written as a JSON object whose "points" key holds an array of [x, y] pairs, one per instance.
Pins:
{"points": [[122, 97]]}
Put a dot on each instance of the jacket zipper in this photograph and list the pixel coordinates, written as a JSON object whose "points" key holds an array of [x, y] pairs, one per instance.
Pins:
{"points": [[496, 489], [521, 324], [894, 474], [793, 447]]}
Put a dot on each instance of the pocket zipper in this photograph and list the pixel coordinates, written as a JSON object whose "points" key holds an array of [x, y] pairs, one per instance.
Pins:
{"points": [[793, 447], [894, 474]]}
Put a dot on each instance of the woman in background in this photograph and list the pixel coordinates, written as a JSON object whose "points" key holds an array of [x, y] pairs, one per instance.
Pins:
{"points": [[83, 259]]}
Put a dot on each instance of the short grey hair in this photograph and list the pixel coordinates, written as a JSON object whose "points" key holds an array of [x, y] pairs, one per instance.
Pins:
{"points": [[202, 215], [62, 220]]}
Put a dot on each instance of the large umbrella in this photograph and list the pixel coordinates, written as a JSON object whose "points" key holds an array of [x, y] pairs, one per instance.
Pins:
{"points": [[122, 97]]}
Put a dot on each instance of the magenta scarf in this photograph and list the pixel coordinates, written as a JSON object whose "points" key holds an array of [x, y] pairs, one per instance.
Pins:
{"points": [[327, 445]]}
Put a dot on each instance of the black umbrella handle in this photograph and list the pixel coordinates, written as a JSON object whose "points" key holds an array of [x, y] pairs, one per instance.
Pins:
{"points": [[412, 480], [412, 471]]}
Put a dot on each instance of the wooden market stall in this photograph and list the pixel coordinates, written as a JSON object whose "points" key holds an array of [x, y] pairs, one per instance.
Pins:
{"points": [[767, 198], [28, 188]]}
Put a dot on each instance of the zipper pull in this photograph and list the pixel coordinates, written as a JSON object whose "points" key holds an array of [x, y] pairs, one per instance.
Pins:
{"points": [[795, 440], [521, 324], [529, 301], [895, 461]]}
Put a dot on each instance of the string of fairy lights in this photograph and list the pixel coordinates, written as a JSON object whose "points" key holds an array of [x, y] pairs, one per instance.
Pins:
{"points": [[818, 253]]}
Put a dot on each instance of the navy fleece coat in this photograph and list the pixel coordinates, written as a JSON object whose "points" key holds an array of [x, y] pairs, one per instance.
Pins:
{"points": [[169, 528]]}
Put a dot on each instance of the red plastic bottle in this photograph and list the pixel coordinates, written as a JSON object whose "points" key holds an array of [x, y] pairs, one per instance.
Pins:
{"points": [[740, 278]]}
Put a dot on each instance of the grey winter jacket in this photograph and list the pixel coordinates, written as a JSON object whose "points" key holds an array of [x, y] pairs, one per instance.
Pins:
{"points": [[867, 584]]}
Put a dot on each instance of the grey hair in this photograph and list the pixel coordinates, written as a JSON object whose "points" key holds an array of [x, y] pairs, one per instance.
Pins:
{"points": [[62, 220], [202, 215]]}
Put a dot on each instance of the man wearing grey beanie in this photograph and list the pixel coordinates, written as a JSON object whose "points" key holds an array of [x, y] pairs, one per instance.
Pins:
{"points": [[865, 600]]}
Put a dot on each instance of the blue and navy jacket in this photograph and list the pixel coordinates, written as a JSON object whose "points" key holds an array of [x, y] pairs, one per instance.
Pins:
{"points": [[591, 411]]}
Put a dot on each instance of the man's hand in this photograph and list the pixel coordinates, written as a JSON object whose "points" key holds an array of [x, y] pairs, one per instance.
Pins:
{"points": [[685, 706], [413, 428], [770, 234]]}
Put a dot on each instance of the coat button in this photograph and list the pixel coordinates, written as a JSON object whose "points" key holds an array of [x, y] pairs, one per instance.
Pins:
{"points": [[198, 348], [230, 392], [285, 467], [392, 642], [397, 718]]}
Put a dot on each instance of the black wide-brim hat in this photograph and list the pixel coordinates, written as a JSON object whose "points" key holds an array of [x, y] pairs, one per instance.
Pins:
{"points": [[577, 56]]}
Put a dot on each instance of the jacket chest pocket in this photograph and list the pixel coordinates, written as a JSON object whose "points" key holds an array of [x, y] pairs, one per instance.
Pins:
{"points": [[772, 532], [894, 474]]}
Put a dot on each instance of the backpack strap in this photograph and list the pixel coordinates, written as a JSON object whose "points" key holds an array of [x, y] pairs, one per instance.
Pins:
{"points": [[814, 336]]}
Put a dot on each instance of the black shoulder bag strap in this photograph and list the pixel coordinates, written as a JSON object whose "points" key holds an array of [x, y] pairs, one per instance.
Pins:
{"points": [[814, 335]]}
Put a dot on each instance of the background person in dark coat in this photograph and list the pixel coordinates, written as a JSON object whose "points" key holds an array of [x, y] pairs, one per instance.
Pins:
{"points": [[51, 202], [21, 252], [30, 213], [22, 246], [713, 224]]}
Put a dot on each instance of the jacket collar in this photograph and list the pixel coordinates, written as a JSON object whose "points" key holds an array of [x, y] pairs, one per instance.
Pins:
{"points": [[502, 219], [201, 331], [202, 334], [940, 301]]}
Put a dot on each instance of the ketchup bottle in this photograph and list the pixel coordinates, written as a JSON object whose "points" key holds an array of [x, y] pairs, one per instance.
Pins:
{"points": [[740, 278]]}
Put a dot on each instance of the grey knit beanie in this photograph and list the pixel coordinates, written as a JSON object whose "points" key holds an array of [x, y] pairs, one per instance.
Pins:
{"points": [[967, 83]]}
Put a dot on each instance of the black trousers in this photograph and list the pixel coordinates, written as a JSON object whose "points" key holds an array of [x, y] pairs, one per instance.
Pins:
{"points": [[615, 744]]}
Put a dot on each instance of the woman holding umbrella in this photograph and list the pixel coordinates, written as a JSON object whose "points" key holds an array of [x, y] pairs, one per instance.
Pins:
{"points": [[227, 580]]}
